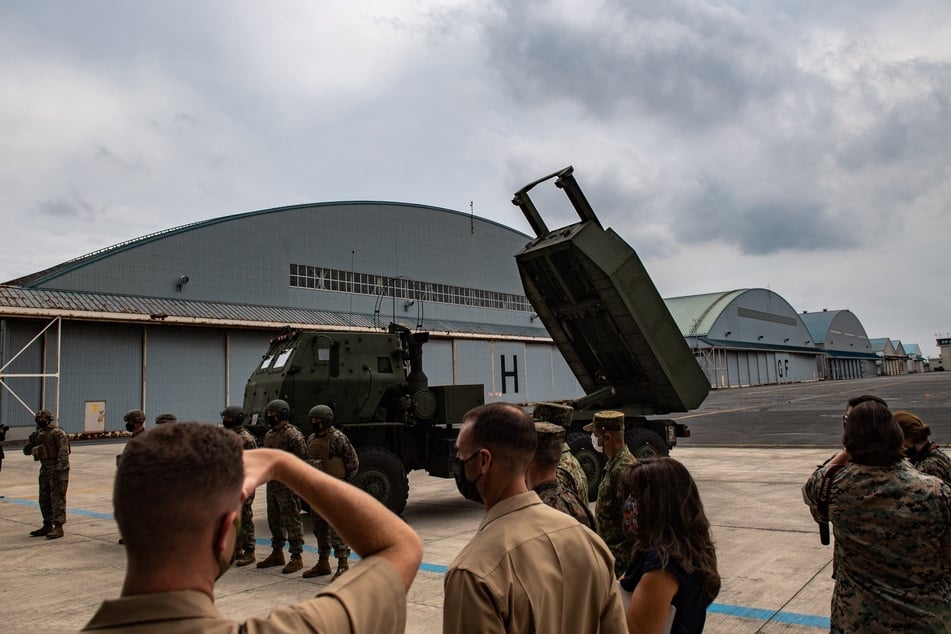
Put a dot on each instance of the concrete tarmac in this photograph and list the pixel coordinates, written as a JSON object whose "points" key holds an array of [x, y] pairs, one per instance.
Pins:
{"points": [[775, 572]]}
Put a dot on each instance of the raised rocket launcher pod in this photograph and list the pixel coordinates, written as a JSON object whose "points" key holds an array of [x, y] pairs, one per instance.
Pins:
{"points": [[601, 308]]}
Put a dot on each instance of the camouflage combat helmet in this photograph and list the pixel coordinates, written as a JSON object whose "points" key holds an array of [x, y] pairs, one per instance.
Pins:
{"points": [[279, 407], [235, 413], [44, 414], [322, 412], [161, 419], [134, 416]]}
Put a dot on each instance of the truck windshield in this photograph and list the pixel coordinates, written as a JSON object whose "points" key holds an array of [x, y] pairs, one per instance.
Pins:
{"points": [[282, 358]]}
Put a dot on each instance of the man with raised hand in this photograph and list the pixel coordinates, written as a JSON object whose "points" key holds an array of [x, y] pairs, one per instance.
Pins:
{"points": [[177, 499]]}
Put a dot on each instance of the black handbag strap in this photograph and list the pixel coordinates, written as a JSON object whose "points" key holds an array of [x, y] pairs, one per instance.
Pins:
{"points": [[822, 502]]}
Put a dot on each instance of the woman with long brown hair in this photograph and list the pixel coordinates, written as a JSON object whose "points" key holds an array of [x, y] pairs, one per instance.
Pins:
{"points": [[673, 575], [923, 454]]}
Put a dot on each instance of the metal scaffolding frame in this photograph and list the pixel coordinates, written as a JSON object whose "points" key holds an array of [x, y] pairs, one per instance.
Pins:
{"points": [[44, 375]]}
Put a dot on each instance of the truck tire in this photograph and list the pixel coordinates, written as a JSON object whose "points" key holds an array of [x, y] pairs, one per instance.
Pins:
{"points": [[591, 461], [644, 443], [381, 475]]}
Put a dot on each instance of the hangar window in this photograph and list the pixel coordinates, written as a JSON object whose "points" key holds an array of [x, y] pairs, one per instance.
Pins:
{"points": [[319, 278]]}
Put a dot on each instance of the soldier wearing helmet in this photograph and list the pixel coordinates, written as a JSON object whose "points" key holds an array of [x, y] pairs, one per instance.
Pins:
{"points": [[329, 450], [49, 445], [283, 505], [232, 417], [134, 421]]}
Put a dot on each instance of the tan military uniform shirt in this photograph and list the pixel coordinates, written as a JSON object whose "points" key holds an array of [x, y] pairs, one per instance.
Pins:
{"points": [[369, 598], [530, 568]]}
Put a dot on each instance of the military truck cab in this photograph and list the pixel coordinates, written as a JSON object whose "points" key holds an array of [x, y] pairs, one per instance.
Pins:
{"points": [[381, 398]]}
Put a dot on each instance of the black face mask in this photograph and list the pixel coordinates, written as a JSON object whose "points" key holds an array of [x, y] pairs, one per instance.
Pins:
{"points": [[466, 486], [130, 426], [224, 563], [272, 420], [321, 427], [229, 423], [41, 422]]}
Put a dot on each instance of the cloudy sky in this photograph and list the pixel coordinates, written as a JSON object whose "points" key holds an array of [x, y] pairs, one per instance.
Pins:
{"points": [[800, 146]]}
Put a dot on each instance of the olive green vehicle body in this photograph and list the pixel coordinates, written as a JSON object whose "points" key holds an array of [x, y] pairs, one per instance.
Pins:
{"points": [[595, 298], [380, 396]]}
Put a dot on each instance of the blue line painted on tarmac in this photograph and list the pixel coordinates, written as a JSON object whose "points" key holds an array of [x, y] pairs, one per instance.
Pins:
{"points": [[792, 618], [84, 513], [756, 614]]}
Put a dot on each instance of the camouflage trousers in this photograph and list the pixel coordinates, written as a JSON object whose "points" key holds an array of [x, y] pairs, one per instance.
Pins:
{"points": [[283, 518], [328, 538], [246, 535], [53, 485]]}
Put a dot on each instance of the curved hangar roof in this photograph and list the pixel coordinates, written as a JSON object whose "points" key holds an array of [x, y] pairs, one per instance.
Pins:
{"points": [[837, 331], [332, 261], [741, 318]]}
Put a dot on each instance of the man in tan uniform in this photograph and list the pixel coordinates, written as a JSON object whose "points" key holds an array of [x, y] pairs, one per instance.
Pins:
{"points": [[177, 500], [511, 576]]}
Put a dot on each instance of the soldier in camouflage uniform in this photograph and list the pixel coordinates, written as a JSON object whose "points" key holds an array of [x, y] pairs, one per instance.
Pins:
{"points": [[607, 435], [329, 450], [923, 454], [233, 418], [135, 424], [570, 473], [892, 528], [542, 478], [50, 446], [283, 506]]}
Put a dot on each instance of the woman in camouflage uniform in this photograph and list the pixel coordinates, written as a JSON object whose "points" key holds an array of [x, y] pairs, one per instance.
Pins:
{"points": [[892, 528]]}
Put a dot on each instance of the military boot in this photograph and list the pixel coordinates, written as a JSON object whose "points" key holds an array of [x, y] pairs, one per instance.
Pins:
{"points": [[295, 564], [321, 568], [276, 558], [56, 533], [343, 565], [246, 558], [46, 529]]}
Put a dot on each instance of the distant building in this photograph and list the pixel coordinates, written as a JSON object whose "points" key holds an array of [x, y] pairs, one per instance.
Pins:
{"points": [[747, 337], [892, 360], [842, 337], [944, 350]]}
